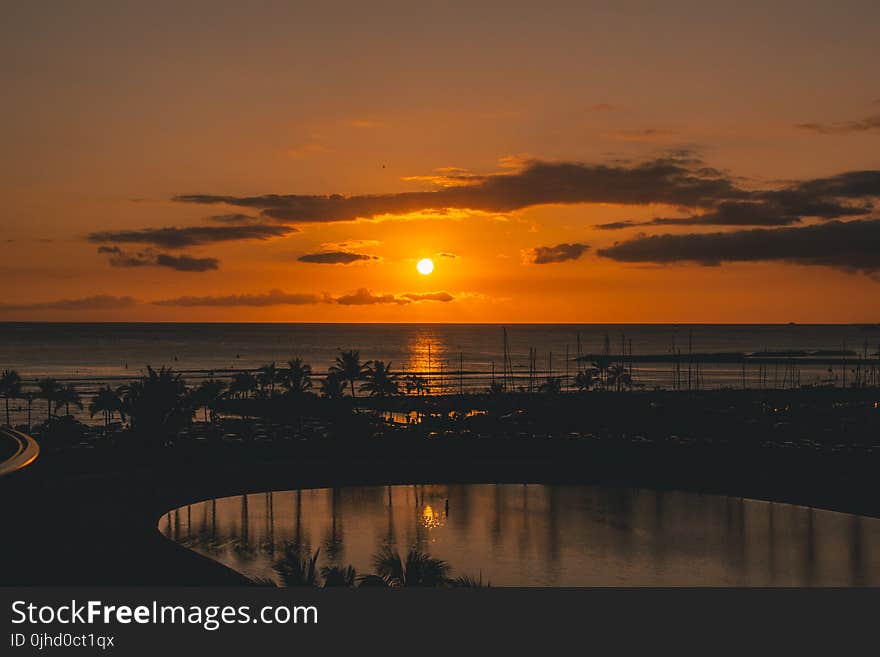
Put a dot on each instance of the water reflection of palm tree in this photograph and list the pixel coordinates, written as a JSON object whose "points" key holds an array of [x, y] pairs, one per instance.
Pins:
{"points": [[333, 542]]}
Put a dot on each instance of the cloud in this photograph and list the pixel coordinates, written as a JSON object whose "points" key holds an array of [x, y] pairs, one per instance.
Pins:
{"points": [[619, 225], [545, 255], [673, 180], [781, 209], [178, 238], [97, 302], [869, 124], [335, 258], [270, 298], [365, 297], [678, 180], [444, 297], [151, 258], [233, 218], [850, 246], [451, 256]]}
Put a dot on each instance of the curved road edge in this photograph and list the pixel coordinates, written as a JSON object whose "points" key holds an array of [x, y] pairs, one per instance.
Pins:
{"points": [[26, 452]]}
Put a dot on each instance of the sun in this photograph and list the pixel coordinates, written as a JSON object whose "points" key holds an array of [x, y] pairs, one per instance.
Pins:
{"points": [[425, 266]]}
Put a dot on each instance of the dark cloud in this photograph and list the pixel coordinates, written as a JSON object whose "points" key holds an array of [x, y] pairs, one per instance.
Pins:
{"points": [[151, 258], [678, 180], [178, 238], [783, 209], [451, 256], [334, 258], [186, 263], [619, 225], [674, 181], [851, 246], [545, 255], [365, 297], [271, 298], [234, 218], [869, 124], [97, 302]]}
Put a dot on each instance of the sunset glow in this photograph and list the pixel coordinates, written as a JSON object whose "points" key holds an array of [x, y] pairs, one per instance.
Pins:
{"points": [[575, 184]]}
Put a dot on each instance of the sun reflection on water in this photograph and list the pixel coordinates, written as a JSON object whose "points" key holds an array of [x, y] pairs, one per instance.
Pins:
{"points": [[432, 519]]}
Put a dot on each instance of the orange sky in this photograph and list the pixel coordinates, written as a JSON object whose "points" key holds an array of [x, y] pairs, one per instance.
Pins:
{"points": [[111, 113]]}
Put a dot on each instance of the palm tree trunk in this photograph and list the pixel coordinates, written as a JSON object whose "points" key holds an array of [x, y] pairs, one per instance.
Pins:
{"points": [[7, 412], [351, 381]]}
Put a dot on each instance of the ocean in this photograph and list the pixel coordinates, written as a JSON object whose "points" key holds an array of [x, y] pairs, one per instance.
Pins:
{"points": [[89, 355]]}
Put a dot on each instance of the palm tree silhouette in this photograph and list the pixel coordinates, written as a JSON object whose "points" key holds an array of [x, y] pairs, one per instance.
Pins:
{"points": [[108, 402], [339, 576], [207, 394], [419, 569], [267, 377], [243, 384], [68, 395], [380, 381], [10, 388], [48, 389], [333, 387], [298, 376], [294, 569], [349, 367], [158, 403]]}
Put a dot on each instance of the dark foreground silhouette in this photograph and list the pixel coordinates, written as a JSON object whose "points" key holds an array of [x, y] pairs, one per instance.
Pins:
{"points": [[86, 512]]}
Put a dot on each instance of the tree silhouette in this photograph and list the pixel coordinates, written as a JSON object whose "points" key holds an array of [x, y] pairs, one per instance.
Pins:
{"points": [[108, 402], [333, 387], [243, 384], [158, 403], [380, 381], [207, 394], [349, 367], [48, 389], [294, 569], [10, 388], [419, 569], [298, 377], [339, 576], [267, 376], [68, 395]]}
